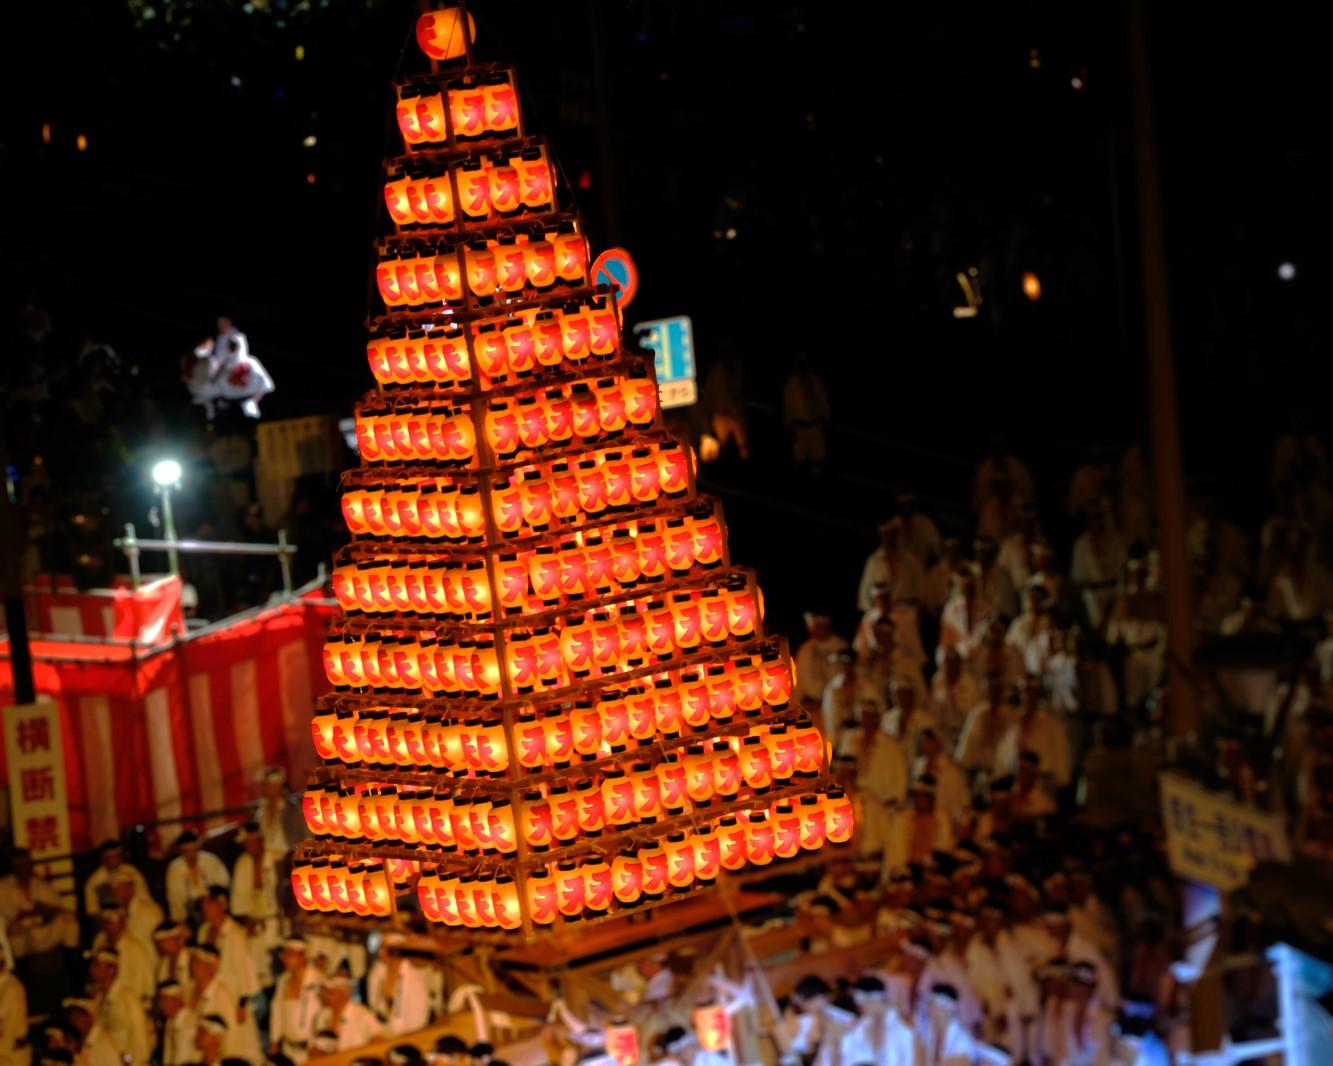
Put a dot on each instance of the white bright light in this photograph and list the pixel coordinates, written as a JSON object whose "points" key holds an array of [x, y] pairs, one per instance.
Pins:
{"points": [[166, 472], [1286, 271]]}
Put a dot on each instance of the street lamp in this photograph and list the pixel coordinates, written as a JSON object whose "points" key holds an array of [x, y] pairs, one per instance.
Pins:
{"points": [[167, 476]]}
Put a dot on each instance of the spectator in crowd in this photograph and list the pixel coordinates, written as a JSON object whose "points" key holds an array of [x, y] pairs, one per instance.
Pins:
{"points": [[295, 1003], [353, 1024], [395, 990], [176, 1026], [894, 564], [110, 863], [190, 875], [254, 900], [812, 657]]}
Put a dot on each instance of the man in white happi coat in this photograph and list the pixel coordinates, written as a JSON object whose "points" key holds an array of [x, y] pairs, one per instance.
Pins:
{"points": [[1098, 563], [991, 981], [889, 1040], [295, 1003], [137, 964], [254, 900], [395, 990], [840, 695], [14, 1050], [966, 616], [893, 563], [954, 691], [279, 819], [35, 916], [171, 939], [943, 1036], [881, 777], [176, 1040], [119, 1009], [142, 914], [912, 714], [918, 830], [1015, 555], [111, 864], [1038, 730], [952, 796], [211, 1036], [993, 582], [354, 1023], [1055, 937], [212, 995], [222, 931], [95, 1045], [812, 665], [190, 875], [983, 729]]}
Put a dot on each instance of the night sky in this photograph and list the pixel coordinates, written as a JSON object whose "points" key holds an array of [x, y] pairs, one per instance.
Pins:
{"points": [[859, 164]]}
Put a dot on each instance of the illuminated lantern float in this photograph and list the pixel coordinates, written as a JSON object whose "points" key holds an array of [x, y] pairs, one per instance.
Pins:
{"points": [[554, 697]]}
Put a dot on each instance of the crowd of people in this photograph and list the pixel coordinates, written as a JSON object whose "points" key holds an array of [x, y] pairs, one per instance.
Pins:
{"points": [[194, 960], [976, 706]]}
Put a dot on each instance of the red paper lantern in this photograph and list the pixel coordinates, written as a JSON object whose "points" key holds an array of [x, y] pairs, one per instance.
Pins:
{"points": [[542, 897], [622, 1043], [627, 877], [712, 1027]]}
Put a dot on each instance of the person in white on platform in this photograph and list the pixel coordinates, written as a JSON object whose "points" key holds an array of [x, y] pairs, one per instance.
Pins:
{"points": [[142, 914], [36, 918], [295, 1003], [191, 874], [119, 1010], [354, 1023], [212, 995], [235, 967], [254, 900], [395, 990], [110, 865], [14, 1050], [176, 1043]]}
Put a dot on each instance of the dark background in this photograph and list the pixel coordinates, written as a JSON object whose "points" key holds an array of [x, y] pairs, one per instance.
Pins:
{"points": [[862, 155]]}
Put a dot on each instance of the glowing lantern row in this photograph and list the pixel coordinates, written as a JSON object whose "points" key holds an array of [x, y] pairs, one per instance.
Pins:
{"points": [[485, 191], [468, 667], [487, 267], [482, 110], [502, 347], [435, 432], [421, 817], [603, 641], [675, 863], [331, 884], [418, 587], [525, 502], [582, 410], [694, 698], [440, 433], [686, 781], [383, 736], [607, 562], [568, 491]]}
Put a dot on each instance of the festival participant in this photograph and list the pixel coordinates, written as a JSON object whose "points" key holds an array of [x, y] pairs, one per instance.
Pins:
{"points": [[211, 994], [295, 1003], [142, 914], [190, 875], [220, 930], [966, 616], [353, 1024], [891, 563], [881, 778], [173, 956], [1037, 730], [254, 900], [118, 1008], [983, 729], [94, 1046], [14, 1049], [37, 919], [993, 583], [111, 864], [211, 1035], [953, 693], [395, 990], [175, 1043], [812, 658], [135, 960], [952, 797]]}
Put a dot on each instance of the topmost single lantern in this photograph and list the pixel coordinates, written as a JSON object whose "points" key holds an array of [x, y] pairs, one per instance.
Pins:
{"points": [[440, 34]]}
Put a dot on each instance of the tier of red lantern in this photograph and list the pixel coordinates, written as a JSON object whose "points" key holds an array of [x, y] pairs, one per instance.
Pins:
{"points": [[485, 268], [330, 884], [488, 188], [694, 699], [603, 641], [673, 864], [427, 431], [685, 781], [474, 111], [501, 348], [600, 562], [524, 503], [467, 667]]}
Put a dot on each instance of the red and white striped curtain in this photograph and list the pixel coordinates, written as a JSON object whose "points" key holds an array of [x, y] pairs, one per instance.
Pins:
{"points": [[182, 730]]}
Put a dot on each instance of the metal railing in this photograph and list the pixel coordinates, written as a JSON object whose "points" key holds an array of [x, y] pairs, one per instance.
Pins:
{"points": [[133, 546]]}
